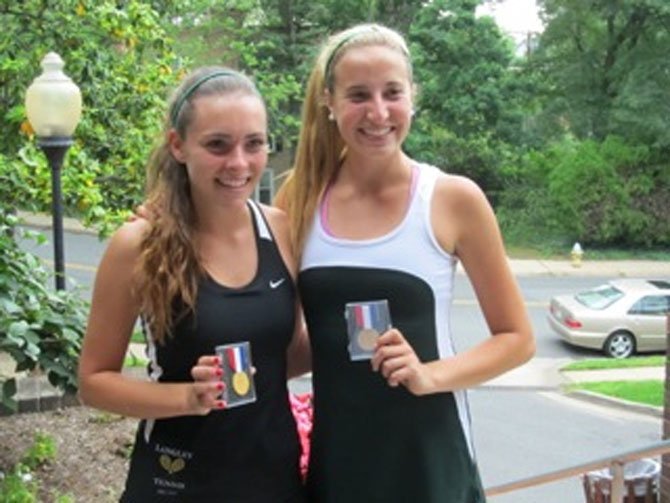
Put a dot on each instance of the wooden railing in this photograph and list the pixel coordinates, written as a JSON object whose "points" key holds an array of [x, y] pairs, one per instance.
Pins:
{"points": [[615, 463]]}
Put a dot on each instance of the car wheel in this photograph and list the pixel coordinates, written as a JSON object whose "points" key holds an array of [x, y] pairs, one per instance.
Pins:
{"points": [[619, 345]]}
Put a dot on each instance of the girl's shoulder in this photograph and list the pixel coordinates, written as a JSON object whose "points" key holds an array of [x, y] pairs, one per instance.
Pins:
{"points": [[454, 189], [272, 211], [279, 224], [276, 218], [126, 241]]}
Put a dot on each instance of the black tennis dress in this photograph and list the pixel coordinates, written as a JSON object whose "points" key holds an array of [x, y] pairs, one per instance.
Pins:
{"points": [[246, 454], [372, 443]]}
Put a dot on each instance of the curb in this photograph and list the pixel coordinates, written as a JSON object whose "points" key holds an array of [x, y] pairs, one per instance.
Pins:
{"points": [[36, 394], [44, 222], [43, 403], [572, 378]]}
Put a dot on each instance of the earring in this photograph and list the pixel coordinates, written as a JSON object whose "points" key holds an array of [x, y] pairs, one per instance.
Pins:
{"points": [[331, 116], [412, 112]]}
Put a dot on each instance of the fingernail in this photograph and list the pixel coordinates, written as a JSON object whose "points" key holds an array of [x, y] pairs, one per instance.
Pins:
{"points": [[219, 372], [221, 404], [219, 386], [217, 360]]}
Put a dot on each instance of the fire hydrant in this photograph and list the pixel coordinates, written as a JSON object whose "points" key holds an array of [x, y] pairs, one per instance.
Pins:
{"points": [[576, 255]]}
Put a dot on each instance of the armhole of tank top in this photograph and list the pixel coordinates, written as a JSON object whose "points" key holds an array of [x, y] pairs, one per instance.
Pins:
{"points": [[261, 226], [322, 212], [261, 220], [432, 175]]}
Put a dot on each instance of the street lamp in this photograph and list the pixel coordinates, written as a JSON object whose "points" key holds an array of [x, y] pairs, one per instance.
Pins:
{"points": [[53, 106]]}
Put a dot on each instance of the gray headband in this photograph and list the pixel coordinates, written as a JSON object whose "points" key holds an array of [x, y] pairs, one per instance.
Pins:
{"points": [[179, 103]]}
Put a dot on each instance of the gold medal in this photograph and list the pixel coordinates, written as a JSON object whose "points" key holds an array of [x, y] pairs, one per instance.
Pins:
{"points": [[367, 338], [240, 383]]}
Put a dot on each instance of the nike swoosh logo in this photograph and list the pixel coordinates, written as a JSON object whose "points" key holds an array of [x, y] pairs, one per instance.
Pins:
{"points": [[275, 284]]}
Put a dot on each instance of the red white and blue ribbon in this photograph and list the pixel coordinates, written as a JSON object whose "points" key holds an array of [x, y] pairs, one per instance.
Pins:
{"points": [[367, 316], [237, 359]]}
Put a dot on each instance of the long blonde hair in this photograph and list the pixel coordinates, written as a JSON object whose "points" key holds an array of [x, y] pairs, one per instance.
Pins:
{"points": [[321, 149], [169, 267]]}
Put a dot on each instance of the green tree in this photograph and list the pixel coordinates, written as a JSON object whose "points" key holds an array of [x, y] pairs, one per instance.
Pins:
{"points": [[275, 41], [340, 14], [461, 62], [293, 29], [266, 39], [466, 102], [607, 62], [119, 54]]}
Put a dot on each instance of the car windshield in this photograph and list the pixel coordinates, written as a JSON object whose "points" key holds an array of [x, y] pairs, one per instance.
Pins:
{"points": [[599, 297]]}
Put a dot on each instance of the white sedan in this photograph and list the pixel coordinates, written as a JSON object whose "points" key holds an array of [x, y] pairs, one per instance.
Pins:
{"points": [[621, 317]]}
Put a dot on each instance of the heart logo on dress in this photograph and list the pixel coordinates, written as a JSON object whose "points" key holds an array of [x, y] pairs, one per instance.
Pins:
{"points": [[171, 465]]}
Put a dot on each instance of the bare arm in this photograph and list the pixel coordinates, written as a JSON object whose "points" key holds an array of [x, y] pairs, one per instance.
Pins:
{"points": [[299, 353], [111, 321], [465, 225]]}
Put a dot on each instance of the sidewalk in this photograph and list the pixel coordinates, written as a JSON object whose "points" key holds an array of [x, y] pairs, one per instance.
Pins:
{"points": [[44, 221], [609, 268], [544, 374], [520, 267]]}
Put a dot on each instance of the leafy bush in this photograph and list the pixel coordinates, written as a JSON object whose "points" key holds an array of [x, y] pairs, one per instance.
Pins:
{"points": [[39, 328], [590, 199], [42, 451], [600, 193], [525, 211]]}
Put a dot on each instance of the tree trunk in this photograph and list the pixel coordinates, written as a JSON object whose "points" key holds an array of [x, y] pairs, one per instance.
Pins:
{"points": [[665, 460]]}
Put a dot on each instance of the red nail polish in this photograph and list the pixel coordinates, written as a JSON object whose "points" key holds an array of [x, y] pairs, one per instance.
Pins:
{"points": [[219, 372], [221, 404], [219, 386]]}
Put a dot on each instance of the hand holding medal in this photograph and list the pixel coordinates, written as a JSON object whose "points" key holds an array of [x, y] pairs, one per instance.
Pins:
{"points": [[366, 321], [237, 374]]}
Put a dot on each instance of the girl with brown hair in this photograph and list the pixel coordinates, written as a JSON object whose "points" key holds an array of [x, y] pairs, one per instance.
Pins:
{"points": [[209, 267]]}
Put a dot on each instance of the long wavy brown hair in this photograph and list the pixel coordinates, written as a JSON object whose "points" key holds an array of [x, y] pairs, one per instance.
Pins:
{"points": [[169, 269], [321, 149]]}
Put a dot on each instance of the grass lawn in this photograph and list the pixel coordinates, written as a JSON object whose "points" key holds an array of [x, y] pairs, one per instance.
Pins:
{"points": [[614, 363], [648, 392]]}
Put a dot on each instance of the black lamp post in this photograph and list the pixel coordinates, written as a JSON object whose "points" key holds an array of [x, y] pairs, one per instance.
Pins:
{"points": [[53, 106]]}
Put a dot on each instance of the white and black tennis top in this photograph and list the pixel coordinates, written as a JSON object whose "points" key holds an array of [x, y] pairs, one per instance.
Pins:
{"points": [[373, 443]]}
